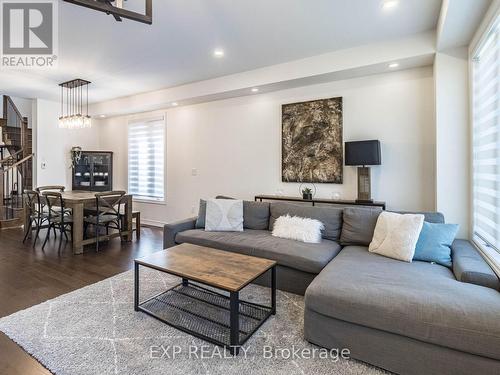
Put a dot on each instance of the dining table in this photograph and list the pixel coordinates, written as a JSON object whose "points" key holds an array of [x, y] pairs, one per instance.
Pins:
{"points": [[78, 201]]}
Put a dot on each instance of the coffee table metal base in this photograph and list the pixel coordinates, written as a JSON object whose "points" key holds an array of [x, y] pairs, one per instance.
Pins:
{"points": [[207, 314]]}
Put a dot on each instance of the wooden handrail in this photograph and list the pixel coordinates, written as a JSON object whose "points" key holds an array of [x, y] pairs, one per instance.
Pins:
{"points": [[19, 162]]}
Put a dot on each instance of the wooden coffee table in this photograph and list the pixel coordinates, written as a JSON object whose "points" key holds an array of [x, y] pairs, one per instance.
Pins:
{"points": [[203, 312]]}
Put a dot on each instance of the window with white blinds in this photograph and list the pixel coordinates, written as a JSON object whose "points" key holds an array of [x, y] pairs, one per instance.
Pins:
{"points": [[486, 140], [146, 159]]}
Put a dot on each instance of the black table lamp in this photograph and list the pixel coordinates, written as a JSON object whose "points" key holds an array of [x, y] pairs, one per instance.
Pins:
{"points": [[363, 153]]}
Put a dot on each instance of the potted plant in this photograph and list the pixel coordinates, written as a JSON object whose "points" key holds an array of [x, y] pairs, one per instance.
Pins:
{"points": [[75, 156], [307, 194]]}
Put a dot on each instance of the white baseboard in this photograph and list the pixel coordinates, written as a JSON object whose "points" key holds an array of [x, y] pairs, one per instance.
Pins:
{"points": [[153, 223]]}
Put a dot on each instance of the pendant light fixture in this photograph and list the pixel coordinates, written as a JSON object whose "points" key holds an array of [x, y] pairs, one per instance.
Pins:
{"points": [[75, 105]]}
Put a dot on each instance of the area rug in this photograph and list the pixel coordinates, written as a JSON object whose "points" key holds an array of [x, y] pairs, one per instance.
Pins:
{"points": [[95, 330]]}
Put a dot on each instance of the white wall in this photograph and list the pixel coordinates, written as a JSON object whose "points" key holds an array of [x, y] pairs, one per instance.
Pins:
{"points": [[52, 144], [452, 137], [235, 144]]}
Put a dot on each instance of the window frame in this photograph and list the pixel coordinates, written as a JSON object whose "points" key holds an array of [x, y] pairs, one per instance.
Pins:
{"points": [[492, 20], [138, 119]]}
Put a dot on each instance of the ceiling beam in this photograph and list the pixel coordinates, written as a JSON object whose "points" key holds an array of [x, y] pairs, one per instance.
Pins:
{"points": [[118, 12]]}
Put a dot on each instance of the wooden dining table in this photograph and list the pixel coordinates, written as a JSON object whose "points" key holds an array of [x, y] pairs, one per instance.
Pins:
{"points": [[77, 201]]}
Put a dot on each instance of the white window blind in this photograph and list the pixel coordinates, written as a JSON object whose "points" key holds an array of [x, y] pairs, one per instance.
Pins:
{"points": [[146, 159], [486, 140]]}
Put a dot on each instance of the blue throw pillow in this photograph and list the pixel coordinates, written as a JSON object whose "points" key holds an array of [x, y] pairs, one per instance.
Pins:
{"points": [[434, 243]]}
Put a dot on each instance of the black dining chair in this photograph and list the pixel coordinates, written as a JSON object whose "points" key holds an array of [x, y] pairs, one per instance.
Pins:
{"points": [[35, 213], [58, 217], [107, 213]]}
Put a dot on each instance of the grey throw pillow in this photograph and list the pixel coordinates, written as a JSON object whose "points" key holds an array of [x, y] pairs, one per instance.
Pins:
{"points": [[429, 216], [202, 213], [330, 217], [359, 225], [255, 215]]}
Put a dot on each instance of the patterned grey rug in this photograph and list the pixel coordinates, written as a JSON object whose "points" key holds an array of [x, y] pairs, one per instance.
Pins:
{"points": [[95, 330]]}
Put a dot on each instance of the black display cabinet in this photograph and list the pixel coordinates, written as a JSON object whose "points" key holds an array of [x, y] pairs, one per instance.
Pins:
{"points": [[94, 171]]}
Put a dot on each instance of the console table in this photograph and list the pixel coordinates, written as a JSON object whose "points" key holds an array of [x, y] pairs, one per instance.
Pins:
{"points": [[319, 200]]}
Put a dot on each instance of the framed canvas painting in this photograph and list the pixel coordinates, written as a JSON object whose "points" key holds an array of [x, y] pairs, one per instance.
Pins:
{"points": [[312, 147]]}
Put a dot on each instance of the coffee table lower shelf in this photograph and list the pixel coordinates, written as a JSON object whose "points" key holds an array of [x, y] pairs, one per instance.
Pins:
{"points": [[207, 314]]}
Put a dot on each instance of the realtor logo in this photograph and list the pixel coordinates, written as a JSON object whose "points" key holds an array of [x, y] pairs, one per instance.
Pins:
{"points": [[29, 33]]}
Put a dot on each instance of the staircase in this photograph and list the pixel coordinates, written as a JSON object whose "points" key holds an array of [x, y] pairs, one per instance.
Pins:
{"points": [[16, 164]]}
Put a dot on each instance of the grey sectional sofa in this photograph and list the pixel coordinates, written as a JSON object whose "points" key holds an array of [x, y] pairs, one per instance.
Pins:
{"points": [[298, 263], [409, 318]]}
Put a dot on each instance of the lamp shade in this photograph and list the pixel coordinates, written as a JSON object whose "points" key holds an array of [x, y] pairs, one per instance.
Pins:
{"points": [[363, 153]]}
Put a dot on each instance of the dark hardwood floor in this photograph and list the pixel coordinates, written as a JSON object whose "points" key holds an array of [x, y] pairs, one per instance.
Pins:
{"points": [[29, 276]]}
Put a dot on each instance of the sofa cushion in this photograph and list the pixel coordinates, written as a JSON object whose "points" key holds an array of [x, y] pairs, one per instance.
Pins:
{"points": [[429, 216], [202, 214], [358, 225], [470, 267], [302, 256], [329, 216], [420, 300], [255, 214]]}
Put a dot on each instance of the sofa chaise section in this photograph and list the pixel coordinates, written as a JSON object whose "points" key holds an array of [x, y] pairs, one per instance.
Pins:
{"points": [[405, 317], [409, 318]]}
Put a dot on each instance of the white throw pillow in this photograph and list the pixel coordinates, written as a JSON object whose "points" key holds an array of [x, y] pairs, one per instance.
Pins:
{"points": [[298, 228], [224, 215], [396, 235]]}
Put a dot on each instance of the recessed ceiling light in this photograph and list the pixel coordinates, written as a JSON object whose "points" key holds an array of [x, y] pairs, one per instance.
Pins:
{"points": [[175, 104], [393, 65], [219, 52], [102, 116], [390, 4], [255, 89]]}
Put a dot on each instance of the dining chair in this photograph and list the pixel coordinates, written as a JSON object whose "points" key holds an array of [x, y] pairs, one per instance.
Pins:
{"points": [[57, 188], [58, 217], [35, 213], [107, 213], [52, 188]]}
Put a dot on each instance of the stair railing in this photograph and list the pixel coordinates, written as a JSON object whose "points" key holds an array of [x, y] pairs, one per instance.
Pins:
{"points": [[14, 128], [16, 170], [11, 159], [13, 180], [11, 113]]}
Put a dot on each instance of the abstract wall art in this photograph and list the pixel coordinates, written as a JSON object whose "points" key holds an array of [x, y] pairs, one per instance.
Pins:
{"points": [[312, 147]]}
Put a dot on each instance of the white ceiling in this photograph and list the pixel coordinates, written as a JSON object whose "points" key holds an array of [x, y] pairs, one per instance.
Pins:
{"points": [[129, 57], [458, 22]]}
